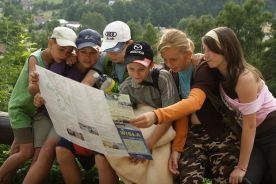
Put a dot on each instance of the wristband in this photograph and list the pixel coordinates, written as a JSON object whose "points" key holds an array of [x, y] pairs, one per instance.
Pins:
{"points": [[240, 168]]}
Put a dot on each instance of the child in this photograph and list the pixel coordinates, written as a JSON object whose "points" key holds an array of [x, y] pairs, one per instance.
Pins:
{"points": [[116, 37], [139, 63], [21, 108], [88, 42], [88, 45], [243, 89]]}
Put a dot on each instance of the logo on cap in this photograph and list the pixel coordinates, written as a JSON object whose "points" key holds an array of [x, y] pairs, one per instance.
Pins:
{"points": [[137, 47], [89, 37], [110, 35]]}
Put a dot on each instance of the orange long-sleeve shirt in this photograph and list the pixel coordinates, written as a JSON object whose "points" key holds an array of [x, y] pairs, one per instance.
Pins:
{"points": [[179, 112]]}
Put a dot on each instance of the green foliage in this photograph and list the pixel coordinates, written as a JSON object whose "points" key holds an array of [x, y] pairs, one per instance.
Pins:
{"points": [[136, 30], [41, 37], [196, 28], [48, 1], [18, 47], [15, 12], [249, 16], [93, 20], [151, 36], [268, 57]]}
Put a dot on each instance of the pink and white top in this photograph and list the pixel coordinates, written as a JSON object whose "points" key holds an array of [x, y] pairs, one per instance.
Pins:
{"points": [[262, 106]]}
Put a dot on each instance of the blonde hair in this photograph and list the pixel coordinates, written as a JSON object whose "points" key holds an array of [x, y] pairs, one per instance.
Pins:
{"points": [[176, 39]]}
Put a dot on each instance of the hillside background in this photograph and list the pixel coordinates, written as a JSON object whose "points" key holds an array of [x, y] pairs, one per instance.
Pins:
{"points": [[25, 26]]}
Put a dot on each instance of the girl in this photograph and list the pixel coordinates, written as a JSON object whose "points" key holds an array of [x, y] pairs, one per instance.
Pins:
{"points": [[244, 90]]}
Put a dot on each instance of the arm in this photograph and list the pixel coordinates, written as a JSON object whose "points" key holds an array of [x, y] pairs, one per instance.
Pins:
{"points": [[33, 76], [183, 108], [90, 78], [172, 112], [246, 89], [181, 128], [72, 59], [158, 132]]}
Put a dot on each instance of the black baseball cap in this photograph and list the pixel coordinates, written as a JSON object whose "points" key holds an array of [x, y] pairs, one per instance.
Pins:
{"points": [[139, 52]]}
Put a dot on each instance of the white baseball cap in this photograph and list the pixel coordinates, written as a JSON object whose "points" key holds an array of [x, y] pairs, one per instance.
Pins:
{"points": [[64, 36], [115, 35]]}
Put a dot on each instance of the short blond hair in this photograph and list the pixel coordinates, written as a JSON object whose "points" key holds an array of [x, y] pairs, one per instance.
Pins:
{"points": [[177, 39]]}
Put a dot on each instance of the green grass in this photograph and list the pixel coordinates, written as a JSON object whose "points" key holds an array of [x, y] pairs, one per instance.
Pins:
{"points": [[207, 181]]}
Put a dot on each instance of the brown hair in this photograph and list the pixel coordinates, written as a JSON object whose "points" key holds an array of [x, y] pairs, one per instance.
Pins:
{"points": [[229, 46]]}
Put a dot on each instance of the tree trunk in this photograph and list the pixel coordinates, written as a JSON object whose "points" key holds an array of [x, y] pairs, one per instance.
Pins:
{"points": [[6, 134]]}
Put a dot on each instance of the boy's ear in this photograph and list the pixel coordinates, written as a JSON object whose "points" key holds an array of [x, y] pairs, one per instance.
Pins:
{"points": [[51, 41], [129, 42], [151, 64]]}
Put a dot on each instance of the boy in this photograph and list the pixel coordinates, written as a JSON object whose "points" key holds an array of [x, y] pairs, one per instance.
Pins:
{"points": [[116, 37], [139, 86], [21, 108], [88, 45]]}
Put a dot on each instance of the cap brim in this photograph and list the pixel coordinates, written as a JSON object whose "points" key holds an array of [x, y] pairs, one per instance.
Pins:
{"points": [[112, 46], [64, 43], [88, 44], [138, 59]]}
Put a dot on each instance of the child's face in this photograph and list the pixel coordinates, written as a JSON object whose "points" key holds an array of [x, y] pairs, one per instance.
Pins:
{"points": [[87, 57], [137, 72], [213, 59], [60, 53], [117, 57], [175, 59]]}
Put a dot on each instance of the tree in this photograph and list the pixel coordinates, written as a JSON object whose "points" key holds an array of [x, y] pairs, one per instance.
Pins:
{"points": [[268, 56], [18, 47], [246, 20], [103, 9], [195, 28], [151, 36], [136, 30], [94, 21]]}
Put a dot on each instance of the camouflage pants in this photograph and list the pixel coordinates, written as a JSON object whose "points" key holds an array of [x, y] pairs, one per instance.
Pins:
{"points": [[201, 151]]}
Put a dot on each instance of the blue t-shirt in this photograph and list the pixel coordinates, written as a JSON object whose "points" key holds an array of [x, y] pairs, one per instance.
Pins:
{"points": [[184, 81]]}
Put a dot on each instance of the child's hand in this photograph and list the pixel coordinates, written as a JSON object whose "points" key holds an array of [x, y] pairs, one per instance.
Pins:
{"points": [[237, 175], [34, 77], [173, 162], [144, 120], [38, 100], [72, 59], [197, 58]]}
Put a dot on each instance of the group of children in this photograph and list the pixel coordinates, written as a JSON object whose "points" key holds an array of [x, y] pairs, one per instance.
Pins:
{"points": [[180, 97]]}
